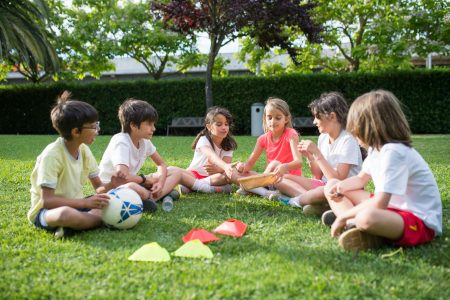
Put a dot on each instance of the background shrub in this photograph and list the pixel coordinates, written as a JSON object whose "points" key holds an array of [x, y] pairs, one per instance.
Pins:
{"points": [[425, 94]]}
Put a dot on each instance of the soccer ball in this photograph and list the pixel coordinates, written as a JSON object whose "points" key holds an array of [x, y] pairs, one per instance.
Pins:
{"points": [[124, 209]]}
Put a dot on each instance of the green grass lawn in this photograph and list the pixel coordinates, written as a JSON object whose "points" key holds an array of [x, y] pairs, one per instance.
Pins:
{"points": [[282, 255]]}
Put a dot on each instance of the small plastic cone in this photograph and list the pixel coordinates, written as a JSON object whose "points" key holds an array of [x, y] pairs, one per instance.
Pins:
{"points": [[194, 249], [200, 234], [231, 227], [150, 252]]}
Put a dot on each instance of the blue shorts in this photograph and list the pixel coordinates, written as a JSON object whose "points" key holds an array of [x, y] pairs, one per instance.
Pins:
{"points": [[40, 215]]}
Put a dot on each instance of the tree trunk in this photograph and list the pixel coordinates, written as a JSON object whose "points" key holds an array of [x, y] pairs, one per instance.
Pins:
{"points": [[208, 83], [213, 51]]}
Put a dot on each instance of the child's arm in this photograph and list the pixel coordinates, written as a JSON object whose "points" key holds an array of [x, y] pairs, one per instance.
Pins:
{"points": [[162, 174], [310, 150], [357, 182], [51, 201], [212, 169], [251, 161], [116, 180], [216, 160], [379, 200], [319, 165], [296, 163]]}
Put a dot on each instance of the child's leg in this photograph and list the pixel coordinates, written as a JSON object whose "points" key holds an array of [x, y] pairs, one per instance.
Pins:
{"points": [[306, 183], [172, 180], [66, 216], [349, 200], [271, 166], [142, 191], [381, 222], [218, 179], [289, 187], [314, 196]]}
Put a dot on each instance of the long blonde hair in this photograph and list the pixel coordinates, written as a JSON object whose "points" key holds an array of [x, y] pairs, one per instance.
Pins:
{"points": [[376, 118], [282, 106]]}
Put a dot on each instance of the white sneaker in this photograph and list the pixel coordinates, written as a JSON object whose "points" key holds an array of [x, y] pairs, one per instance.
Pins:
{"points": [[295, 202]]}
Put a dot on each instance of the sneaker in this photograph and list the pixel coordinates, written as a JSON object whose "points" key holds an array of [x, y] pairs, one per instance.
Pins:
{"points": [[226, 189], [328, 218], [356, 240], [295, 203], [63, 232], [316, 210], [174, 194], [285, 200], [149, 206], [184, 189], [277, 196], [242, 192]]}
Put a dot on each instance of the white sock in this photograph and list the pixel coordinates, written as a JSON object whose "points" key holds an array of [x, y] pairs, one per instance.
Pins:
{"points": [[203, 187], [295, 201], [260, 191], [206, 180]]}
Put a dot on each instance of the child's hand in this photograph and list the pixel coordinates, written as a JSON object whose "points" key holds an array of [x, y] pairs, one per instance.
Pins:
{"points": [[212, 169], [307, 146], [240, 167], [335, 193], [337, 227], [149, 181], [118, 178], [97, 201], [156, 190], [280, 170], [229, 170]]}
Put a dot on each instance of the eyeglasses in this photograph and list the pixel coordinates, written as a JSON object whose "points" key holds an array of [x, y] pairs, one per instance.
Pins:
{"points": [[95, 127]]}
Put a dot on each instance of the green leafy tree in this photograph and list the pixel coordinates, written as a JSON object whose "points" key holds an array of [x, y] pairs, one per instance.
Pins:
{"points": [[24, 42], [146, 40], [366, 35], [381, 34], [226, 20]]}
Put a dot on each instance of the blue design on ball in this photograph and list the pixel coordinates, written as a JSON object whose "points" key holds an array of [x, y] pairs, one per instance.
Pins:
{"points": [[129, 209]]}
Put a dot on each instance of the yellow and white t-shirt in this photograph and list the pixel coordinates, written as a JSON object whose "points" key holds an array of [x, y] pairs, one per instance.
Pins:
{"points": [[56, 169]]}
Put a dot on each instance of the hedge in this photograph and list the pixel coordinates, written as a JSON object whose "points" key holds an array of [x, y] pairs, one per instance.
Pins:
{"points": [[425, 94]]}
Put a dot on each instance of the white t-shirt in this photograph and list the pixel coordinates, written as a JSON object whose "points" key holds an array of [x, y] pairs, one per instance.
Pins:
{"points": [[401, 171], [344, 150], [122, 151], [201, 159]]}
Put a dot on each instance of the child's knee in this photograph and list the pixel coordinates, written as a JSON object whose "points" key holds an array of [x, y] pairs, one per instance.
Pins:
{"points": [[329, 186], [366, 218], [61, 215], [272, 165]]}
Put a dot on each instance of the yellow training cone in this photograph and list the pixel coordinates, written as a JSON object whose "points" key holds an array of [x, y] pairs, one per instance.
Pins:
{"points": [[194, 248], [150, 252]]}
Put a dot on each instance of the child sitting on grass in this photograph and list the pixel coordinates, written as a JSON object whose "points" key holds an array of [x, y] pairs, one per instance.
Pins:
{"points": [[57, 201], [336, 155], [210, 170], [127, 151], [406, 207], [279, 142]]}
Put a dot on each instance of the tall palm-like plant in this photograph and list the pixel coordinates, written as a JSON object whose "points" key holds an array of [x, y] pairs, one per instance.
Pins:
{"points": [[23, 39]]}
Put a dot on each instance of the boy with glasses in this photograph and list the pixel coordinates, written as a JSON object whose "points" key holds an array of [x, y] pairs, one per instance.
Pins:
{"points": [[57, 201]]}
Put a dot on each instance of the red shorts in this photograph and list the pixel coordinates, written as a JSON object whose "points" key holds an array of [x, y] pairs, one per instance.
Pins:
{"points": [[317, 182], [415, 231], [197, 175]]}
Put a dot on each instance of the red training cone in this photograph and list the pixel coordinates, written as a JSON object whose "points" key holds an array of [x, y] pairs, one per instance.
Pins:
{"points": [[200, 234], [231, 227]]}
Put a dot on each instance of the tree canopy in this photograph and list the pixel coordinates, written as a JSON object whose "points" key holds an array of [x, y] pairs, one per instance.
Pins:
{"points": [[269, 22]]}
